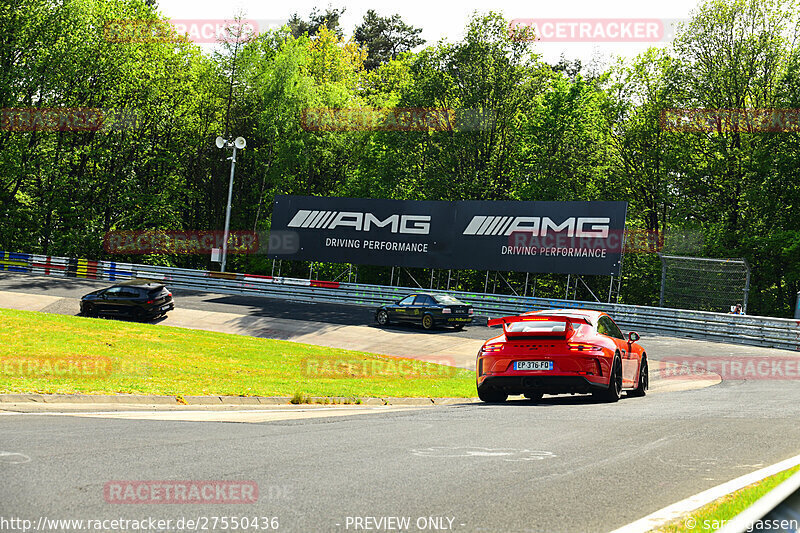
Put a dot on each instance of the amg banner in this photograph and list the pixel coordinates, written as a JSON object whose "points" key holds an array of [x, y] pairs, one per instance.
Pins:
{"points": [[559, 237]]}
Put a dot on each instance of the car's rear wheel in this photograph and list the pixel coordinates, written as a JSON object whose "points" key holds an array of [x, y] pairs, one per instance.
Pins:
{"points": [[89, 310], [427, 322], [614, 390], [458, 327], [382, 317], [644, 380], [535, 396], [492, 395]]}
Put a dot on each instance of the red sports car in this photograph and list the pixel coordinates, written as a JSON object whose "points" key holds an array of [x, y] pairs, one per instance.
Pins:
{"points": [[561, 351]]}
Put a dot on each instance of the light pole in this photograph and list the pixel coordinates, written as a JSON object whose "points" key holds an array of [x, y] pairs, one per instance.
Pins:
{"points": [[239, 143]]}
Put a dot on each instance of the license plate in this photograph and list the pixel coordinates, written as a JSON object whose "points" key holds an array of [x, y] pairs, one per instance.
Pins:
{"points": [[533, 365], [165, 307]]}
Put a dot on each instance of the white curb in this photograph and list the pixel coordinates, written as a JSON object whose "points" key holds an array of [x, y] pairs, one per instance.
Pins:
{"points": [[677, 510]]}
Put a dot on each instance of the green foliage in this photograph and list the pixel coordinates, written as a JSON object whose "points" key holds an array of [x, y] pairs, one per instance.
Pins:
{"points": [[553, 133], [385, 38], [316, 20]]}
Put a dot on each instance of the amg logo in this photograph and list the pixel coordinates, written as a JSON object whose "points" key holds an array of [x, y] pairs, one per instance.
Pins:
{"points": [[408, 224], [538, 226]]}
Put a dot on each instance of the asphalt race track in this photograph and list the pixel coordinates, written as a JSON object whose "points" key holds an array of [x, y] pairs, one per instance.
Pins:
{"points": [[562, 464]]}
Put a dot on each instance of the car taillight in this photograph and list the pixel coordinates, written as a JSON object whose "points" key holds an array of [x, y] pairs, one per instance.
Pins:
{"points": [[169, 294], [151, 301], [493, 348], [581, 347], [471, 311], [446, 311]]}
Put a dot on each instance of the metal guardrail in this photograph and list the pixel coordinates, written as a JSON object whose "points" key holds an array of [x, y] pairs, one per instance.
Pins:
{"points": [[779, 507], [719, 327]]}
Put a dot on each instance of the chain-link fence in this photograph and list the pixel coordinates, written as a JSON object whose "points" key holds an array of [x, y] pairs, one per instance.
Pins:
{"points": [[704, 284]]}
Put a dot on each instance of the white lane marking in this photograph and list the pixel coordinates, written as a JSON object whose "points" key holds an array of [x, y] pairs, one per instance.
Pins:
{"points": [[677, 510], [240, 415], [507, 454], [148, 411], [13, 458]]}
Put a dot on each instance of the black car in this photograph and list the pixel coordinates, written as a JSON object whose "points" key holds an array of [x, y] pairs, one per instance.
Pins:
{"points": [[426, 309], [138, 299]]}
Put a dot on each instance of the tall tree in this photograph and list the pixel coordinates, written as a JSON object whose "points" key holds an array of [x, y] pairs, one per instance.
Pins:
{"points": [[385, 38], [316, 20], [739, 54], [733, 55]]}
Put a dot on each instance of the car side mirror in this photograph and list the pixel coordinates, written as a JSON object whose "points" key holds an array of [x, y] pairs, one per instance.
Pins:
{"points": [[633, 336]]}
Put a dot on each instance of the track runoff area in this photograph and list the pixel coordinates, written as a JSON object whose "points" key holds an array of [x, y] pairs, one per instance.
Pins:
{"points": [[559, 464]]}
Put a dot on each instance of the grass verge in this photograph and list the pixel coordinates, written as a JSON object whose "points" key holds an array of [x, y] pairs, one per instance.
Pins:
{"points": [[48, 353], [714, 515]]}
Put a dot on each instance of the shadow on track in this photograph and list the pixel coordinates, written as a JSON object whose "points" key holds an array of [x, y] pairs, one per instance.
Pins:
{"points": [[552, 401]]}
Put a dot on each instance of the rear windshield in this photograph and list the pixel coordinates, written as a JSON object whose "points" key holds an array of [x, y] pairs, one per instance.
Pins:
{"points": [[156, 292], [446, 299], [540, 326]]}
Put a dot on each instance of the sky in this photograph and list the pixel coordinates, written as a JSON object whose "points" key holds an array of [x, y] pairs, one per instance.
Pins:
{"points": [[447, 20]]}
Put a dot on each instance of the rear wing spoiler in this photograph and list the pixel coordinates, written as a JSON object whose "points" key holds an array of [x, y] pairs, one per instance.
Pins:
{"points": [[567, 332]]}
